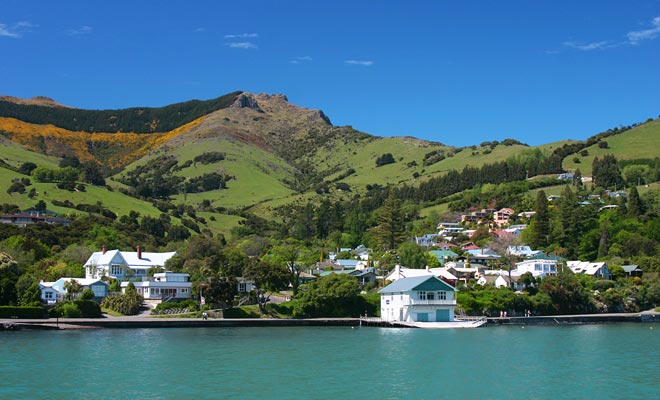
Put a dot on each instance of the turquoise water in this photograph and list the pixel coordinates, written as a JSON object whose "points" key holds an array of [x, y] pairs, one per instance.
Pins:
{"points": [[569, 362]]}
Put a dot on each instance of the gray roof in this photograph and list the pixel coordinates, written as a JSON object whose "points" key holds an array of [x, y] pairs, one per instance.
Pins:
{"points": [[407, 284]]}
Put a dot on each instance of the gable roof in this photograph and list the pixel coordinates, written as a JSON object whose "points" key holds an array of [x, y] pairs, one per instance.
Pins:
{"points": [[426, 282], [129, 258]]}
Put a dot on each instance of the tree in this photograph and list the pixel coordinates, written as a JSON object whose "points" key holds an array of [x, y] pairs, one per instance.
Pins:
{"points": [[412, 255], [295, 258], [390, 230], [501, 246], [87, 294], [31, 297], [606, 172], [267, 278], [566, 225], [634, 203], [539, 228], [334, 295], [72, 288], [8, 279]]}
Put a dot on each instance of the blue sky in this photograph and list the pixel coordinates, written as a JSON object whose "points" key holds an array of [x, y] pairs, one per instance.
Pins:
{"points": [[457, 72]]}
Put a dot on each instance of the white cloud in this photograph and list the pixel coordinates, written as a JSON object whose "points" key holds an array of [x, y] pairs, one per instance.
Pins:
{"points": [[83, 30], [634, 37], [242, 36], [17, 30], [241, 45], [300, 60], [363, 63], [589, 46]]}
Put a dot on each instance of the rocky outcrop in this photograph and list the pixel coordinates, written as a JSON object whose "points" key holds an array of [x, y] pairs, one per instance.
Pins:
{"points": [[247, 100]]}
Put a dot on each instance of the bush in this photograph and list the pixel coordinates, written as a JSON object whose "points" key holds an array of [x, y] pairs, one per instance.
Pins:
{"points": [[70, 310], [128, 303], [603, 285], [22, 312], [88, 308]]}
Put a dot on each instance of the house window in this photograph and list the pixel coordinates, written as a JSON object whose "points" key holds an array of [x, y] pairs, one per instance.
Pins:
{"points": [[430, 296], [48, 295], [442, 295], [116, 269], [538, 267], [241, 287], [553, 268], [422, 295], [184, 290]]}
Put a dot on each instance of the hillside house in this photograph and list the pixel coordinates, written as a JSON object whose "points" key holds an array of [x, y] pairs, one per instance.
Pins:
{"points": [[595, 269], [28, 218], [522, 251], [418, 299], [537, 267], [503, 216], [54, 292], [124, 265]]}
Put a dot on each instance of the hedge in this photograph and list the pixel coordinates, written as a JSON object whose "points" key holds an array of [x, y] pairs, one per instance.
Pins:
{"points": [[23, 312]]}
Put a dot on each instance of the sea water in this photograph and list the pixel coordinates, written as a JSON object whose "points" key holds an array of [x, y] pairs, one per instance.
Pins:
{"points": [[534, 362]]}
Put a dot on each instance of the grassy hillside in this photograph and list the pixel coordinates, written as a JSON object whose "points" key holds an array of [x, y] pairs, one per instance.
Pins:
{"points": [[639, 142]]}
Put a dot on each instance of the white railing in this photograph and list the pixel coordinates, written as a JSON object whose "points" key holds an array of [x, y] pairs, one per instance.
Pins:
{"points": [[435, 302]]}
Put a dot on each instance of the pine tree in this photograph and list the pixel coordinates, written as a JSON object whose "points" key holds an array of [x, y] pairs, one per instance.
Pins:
{"points": [[540, 226], [634, 203], [390, 231]]}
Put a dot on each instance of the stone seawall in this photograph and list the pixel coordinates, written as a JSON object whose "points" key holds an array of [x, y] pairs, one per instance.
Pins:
{"points": [[132, 323], [649, 317]]}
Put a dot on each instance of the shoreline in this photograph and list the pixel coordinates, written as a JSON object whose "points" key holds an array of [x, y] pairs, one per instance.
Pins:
{"points": [[148, 322]]}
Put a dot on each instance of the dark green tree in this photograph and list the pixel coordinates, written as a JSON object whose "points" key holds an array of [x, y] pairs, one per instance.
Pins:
{"points": [[334, 295], [539, 228], [267, 278], [411, 255], [634, 203], [390, 230]]}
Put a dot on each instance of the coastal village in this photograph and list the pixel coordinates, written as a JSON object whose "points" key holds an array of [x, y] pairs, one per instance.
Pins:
{"points": [[416, 297]]}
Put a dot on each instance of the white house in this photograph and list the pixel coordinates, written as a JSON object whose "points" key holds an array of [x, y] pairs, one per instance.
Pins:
{"points": [[596, 269], [124, 265], [418, 299], [522, 251], [163, 286], [53, 292], [537, 267], [400, 272]]}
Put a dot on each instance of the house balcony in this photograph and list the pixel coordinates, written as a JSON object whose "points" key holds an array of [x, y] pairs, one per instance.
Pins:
{"points": [[436, 302]]}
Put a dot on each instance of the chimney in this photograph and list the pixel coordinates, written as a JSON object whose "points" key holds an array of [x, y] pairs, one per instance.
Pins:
{"points": [[139, 252], [104, 249]]}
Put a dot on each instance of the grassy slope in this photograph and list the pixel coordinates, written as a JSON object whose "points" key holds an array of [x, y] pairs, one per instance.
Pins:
{"points": [[14, 154], [639, 142], [116, 201]]}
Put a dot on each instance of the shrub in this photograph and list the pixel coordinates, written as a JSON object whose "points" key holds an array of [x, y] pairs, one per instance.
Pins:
{"points": [[88, 308], [70, 310], [385, 159], [22, 312]]}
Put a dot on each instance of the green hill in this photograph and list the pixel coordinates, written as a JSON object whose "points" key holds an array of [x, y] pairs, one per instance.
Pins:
{"points": [[266, 153]]}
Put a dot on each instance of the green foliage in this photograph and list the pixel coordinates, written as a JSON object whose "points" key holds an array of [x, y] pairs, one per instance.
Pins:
{"points": [[334, 295], [87, 294], [385, 159], [210, 157], [23, 312], [128, 303], [411, 255]]}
